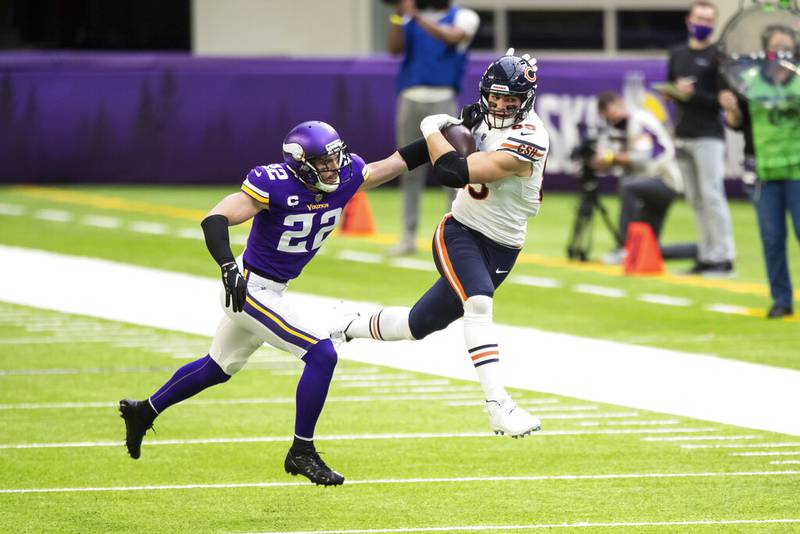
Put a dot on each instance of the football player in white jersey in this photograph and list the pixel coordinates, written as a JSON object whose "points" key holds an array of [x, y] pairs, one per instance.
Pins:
{"points": [[476, 245]]}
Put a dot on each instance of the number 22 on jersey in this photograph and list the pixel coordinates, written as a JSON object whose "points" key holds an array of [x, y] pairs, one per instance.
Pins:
{"points": [[296, 240]]}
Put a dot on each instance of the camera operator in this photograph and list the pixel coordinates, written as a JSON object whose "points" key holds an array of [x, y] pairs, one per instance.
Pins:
{"points": [[636, 147]]}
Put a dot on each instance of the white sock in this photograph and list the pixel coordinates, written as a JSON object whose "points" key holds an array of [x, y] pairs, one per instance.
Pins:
{"points": [[388, 324], [481, 342]]}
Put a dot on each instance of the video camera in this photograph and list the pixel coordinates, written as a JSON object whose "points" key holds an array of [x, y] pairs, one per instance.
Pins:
{"points": [[583, 154]]}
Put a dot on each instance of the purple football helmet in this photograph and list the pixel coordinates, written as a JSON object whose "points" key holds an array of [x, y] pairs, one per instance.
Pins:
{"points": [[316, 141]]}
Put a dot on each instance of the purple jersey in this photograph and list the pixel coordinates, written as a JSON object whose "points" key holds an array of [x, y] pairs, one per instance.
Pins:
{"points": [[287, 234]]}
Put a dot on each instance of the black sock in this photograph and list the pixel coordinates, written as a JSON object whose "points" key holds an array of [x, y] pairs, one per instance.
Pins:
{"points": [[302, 445]]}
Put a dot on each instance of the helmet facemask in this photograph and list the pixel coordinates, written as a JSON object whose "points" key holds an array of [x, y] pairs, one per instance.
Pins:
{"points": [[326, 178], [495, 118]]}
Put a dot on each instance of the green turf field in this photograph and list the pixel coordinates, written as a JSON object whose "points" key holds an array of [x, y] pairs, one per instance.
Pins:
{"points": [[414, 448]]}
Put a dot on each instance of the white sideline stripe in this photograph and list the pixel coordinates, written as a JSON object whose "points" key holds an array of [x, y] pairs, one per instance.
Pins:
{"points": [[463, 528], [540, 478], [344, 437], [767, 453], [728, 308], [53, 215], [12, 209], [784, 462], [147, 227], [664, 299], [702, 438], [741, 446], [534, 281], [275, 400], [602, 291], [363, 257], [101, 221], [412, 263], [635, 376]]}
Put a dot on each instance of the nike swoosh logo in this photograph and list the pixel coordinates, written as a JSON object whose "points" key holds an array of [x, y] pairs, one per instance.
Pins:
{"points": [[498, 271], [526, 133], [258, 173]]}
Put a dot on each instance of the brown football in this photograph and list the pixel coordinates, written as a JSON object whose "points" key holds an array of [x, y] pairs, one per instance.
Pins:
{"points": [[461, 139]]}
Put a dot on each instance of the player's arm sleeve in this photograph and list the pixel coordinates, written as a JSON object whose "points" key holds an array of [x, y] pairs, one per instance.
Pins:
{"points": [[255, 185]]}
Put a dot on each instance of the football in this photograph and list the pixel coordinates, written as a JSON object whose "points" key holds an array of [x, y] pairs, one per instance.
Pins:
{"points": [[461, 138]]}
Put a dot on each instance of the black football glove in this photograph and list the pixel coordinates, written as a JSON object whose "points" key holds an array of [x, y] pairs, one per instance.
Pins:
{"points": [[235, 286], [471, 115]]}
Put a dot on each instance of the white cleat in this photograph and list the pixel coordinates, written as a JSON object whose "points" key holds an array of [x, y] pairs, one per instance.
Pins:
{"points": [[505, 417], [338, 333]]}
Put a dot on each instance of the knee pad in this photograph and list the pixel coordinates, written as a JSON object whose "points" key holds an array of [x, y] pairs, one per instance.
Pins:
{"points": [[322, 355], [478, 306]]}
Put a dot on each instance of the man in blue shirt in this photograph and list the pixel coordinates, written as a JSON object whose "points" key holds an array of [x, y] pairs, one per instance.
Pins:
{"points": [[434, 36]]}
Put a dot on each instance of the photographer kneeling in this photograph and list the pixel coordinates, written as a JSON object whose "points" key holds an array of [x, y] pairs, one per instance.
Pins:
{"points": [[636, 147]]}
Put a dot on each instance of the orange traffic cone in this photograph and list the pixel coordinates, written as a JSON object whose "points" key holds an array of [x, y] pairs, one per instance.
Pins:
{"points": [[357, 217], [642, 254]]}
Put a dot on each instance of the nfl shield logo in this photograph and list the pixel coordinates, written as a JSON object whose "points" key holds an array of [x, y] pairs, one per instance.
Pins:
{"points": [[318, 197]]}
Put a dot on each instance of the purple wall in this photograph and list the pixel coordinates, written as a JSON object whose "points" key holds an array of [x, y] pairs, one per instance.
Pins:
{"points": [[173, 118]]}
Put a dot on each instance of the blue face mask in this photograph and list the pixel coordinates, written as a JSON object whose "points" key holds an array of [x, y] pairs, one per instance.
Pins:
{"points": [[699, 31]]}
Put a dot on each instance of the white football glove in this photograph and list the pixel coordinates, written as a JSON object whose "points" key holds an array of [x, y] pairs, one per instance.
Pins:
{"points": [[434, 123]]}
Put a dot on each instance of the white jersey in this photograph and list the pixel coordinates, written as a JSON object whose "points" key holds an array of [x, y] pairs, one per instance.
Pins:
{"points": [[500, 210]]}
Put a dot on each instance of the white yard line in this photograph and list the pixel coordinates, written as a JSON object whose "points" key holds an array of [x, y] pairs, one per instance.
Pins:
{"points": [[12, 209], [634, 423], [413, 263], [542, 478], [703, 438], [345, 437], [53, 215], [785, 462], [728, 308], [362, 257], [601, 291], [635, 376], [211, 402], [190, 233], [101, 221], [482, 528], [147, 227], [767, 453], [664, 299], [741, 446], [534, 281]]}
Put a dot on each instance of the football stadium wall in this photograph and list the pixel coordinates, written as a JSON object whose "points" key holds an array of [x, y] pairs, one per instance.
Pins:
{"points": [[174, 118]]}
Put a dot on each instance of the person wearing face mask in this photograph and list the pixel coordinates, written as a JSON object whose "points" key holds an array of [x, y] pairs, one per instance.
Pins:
{"points": [[769, 110], [635, 146], [700, 146]]}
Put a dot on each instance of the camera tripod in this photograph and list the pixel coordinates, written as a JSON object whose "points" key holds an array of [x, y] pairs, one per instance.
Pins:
{"points": [[581, 241]]}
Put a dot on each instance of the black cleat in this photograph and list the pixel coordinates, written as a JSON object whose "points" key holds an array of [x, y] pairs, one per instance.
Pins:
{"points": [[310, 465], [138, 420]]}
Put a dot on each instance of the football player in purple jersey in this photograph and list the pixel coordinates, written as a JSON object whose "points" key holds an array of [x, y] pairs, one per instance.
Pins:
{"points": [[294, 205]]}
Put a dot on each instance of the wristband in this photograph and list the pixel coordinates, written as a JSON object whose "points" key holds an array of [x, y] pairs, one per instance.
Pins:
{"points": [[398, 20]]}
